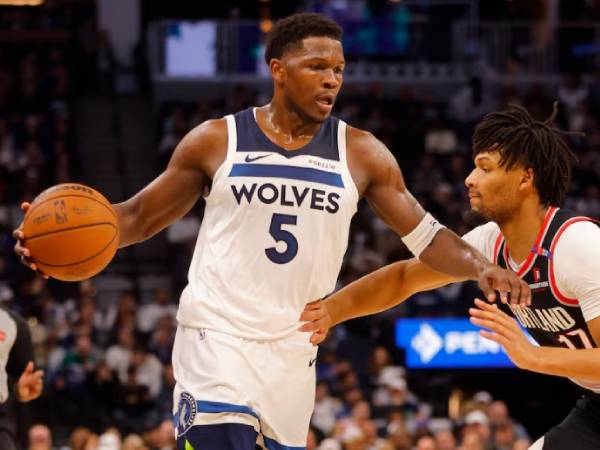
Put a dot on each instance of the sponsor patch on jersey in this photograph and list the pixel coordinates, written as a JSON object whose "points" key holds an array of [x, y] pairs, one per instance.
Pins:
{"points": [[186, 413], [541, 285]]}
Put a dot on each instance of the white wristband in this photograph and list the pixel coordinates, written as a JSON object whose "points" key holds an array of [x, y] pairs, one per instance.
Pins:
{"points": [[422, 235]]}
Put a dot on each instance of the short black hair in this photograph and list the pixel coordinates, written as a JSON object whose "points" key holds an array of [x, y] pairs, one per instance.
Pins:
{"points": [[522, 140], [290, 31]]}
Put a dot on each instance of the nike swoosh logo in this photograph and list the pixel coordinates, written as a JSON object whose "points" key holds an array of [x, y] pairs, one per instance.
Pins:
{"points": [[248, 159], [312, 362]]}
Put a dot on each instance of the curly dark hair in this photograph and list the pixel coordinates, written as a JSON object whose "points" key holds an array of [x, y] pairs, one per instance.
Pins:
{"points": [[289, 32], [522, 140]]}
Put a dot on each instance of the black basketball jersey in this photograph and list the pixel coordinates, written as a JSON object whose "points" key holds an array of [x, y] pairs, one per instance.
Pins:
{"points": [[553, 319]]}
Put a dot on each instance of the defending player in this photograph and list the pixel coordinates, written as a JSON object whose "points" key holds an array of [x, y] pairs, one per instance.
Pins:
{"points": [[284, 181], [521, 175]]}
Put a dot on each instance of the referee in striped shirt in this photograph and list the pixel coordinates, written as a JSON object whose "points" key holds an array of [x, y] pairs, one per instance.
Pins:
{"points": [[18, 380]]}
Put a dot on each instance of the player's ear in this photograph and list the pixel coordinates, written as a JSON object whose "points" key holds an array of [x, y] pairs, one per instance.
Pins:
{"points": [[527, 178], [277, 70]]}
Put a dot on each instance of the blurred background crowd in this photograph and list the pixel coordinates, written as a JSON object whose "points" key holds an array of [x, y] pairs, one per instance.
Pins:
{"points": [[70, 109]]}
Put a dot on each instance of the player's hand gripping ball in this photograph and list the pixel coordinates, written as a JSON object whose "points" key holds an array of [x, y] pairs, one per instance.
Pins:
{"points": [[71, 231]]}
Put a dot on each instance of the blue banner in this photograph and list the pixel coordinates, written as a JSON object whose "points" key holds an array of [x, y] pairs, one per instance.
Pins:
{"points": [[441, 343]]}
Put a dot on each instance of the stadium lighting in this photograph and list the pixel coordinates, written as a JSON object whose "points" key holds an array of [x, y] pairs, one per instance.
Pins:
{"points": [[21, 2]]}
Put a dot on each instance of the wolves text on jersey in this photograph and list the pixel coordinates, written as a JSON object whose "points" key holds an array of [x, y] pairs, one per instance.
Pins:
{"points": [[286, 195]]}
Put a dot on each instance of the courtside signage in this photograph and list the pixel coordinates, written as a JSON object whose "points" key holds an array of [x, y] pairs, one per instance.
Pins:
{"points": [[441, 343]]}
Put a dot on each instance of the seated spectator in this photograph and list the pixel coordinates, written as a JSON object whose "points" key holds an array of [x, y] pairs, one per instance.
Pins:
{"points": [[426, 443], [472, 440], [134, 403], [134, 442], [445, 440], [160, 434], [118, 356], [482, 399], [426, 176], [119, 315], [78, 438], [161, 341], [100, 397], [149, 369], [401, 438], [330, 444], [176, 126], [476, 423], [572, 93], [109, 440], [149, 314], [349, 428], [440, 138], [40, 438], [392, 393], [504, 436], [370, 440], [79, 362], [326, 409], [380, 359], [498, 414], [164, 401]]}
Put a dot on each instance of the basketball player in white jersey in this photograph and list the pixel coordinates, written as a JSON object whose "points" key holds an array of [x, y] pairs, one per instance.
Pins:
{"points": [[283, 182], [521, 175]]}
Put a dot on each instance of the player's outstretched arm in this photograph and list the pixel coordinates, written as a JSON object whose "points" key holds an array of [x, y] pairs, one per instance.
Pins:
{"points": [[173, 193], [499, 327], [379, 178], [373, 293]]}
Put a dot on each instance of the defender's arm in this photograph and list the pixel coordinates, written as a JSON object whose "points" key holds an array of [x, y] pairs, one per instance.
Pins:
{"points": [[383, 289], [442, 250]]}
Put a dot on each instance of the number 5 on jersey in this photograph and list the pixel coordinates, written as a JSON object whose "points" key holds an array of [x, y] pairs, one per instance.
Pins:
{"points": [[279, 234]]}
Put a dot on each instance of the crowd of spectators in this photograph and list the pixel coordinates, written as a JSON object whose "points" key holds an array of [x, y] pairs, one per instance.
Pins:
{"points": [[47, 56], [36, 145], [377, 410]]}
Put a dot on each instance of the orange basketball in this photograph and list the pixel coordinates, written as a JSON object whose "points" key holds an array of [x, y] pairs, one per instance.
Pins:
{"points": [[71, 231]]}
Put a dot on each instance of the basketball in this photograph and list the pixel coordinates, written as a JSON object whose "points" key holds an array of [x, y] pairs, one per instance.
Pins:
{"points": [[71, 231]]}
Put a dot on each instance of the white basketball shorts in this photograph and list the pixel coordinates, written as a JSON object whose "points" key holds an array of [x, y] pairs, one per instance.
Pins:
{"points": [[269, 385]]}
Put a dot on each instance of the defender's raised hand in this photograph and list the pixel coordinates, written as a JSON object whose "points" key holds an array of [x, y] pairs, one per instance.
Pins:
{"points": [[504, 331]]}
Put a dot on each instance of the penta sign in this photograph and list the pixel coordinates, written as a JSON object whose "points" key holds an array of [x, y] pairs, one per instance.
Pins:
{"points": [[441, 343]]}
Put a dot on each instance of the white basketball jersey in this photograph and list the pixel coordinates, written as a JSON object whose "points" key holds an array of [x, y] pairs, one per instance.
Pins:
{"points": [[274, 233]]}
